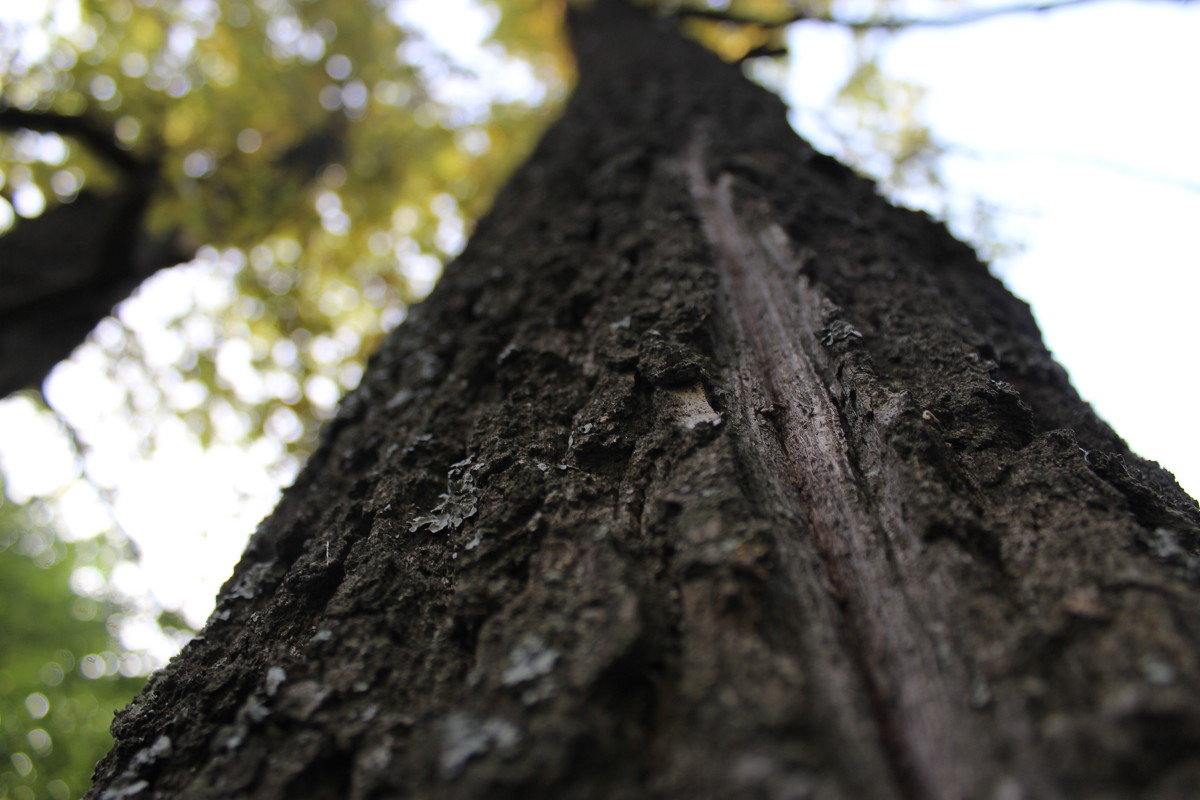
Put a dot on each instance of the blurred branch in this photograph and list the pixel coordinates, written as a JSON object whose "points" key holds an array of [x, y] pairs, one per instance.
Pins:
{"points": [[63, 271], [86, 129], [318, 149], [79, 450], [880, 23], [764, 51]]}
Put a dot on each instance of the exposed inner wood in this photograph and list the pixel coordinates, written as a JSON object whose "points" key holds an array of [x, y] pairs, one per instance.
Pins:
{"points": [[784, 323]]}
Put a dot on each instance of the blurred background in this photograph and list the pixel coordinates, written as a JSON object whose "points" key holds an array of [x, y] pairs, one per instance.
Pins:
{"points": [[289, 175]]}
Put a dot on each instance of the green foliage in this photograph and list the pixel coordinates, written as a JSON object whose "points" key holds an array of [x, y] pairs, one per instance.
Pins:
{"points": [[61, 676], [320, 153], [892, 139], [762, 27]]}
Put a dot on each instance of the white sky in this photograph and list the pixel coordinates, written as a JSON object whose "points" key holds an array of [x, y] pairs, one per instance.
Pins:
{"points": [[1110, 265], [1112, 262]]}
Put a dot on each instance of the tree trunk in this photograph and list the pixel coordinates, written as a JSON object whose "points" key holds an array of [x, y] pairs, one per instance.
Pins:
{"points": [[704, 473]]}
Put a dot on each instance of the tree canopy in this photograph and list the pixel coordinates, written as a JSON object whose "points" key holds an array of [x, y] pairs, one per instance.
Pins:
{"points": [[263, 132]]}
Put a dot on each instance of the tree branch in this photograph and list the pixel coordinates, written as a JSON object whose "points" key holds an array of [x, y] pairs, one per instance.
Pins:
{"points": [[90, 131], [63, 271], [883, 23], [763, 51]]}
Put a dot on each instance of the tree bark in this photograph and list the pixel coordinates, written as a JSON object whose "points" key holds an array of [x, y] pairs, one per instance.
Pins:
{"points": [[703, 473]]}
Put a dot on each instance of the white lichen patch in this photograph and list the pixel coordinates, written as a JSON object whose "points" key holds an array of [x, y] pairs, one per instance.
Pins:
{"points": [[508, 352], [300, 700], [764, 776], [465, 736], [377, 758], [459, 502], [1157, 671], [160, 749], [981, 693], [621, 324], [254, 709], [127, 784], [529, 660], [689, 407], [275, 678], [837, 331], [246, 586], [120, 792], [1164, 544]]}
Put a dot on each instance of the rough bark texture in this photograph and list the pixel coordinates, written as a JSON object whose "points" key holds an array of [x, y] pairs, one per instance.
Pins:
{"points": [[704, 473]]}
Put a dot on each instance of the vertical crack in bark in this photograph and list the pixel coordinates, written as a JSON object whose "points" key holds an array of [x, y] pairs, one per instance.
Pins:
{"points": [[781, 323]]}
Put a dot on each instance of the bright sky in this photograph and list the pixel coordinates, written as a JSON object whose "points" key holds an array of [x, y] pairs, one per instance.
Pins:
{"points": [[1110, 265], [1112, 262]]}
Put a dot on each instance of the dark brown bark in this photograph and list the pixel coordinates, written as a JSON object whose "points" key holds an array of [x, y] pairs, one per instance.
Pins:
{"points": [[703, 473]]}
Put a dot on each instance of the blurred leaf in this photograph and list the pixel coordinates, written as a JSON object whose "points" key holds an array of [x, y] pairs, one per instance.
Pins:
{"points": [[60, 665]]}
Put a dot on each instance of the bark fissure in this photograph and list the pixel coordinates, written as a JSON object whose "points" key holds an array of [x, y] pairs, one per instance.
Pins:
{"points": [[783, 324]]}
